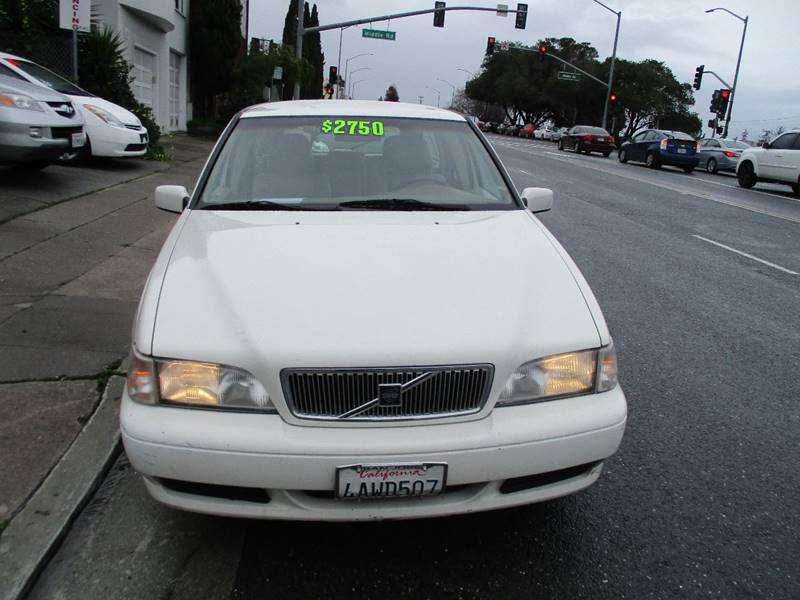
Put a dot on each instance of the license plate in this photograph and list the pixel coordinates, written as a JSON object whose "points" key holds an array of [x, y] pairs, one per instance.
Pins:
{"points": [[681, 150], [362, 482], [601, 139], [77, 140]]}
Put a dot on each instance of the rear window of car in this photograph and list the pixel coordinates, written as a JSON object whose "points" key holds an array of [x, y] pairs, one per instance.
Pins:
{"points": [[595, 131], [318, 162], [678, 135], [735, 145]]}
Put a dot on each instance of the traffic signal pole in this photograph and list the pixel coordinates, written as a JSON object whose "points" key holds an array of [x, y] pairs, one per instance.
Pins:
{"points": [[735, 78], [301, 30]]}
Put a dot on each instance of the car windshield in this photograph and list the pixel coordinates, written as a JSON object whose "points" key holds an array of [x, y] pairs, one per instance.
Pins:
{"points": [[48, 78], [340, 163]]}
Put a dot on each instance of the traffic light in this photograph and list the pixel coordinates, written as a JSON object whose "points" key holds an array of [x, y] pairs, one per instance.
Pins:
{"points": [[522, 16], [714, 106], [698, 76], [333, 76], [490, 46], [542, 53], [612, 98], [438, 16], [724, 97]]}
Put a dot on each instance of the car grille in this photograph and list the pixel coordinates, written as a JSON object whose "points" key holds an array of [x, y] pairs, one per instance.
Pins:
{"points": [[64, 132], [331, 393], [134, 127], [64, 109]]}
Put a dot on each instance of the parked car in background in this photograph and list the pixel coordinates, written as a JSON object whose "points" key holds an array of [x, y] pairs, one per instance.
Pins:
{"points": [[545, 133], [505, 128], [37, 125], [656, 147], [777, 161], [720, 154], [527, 131], [111, 130], [559, 133], [585, 138], [517, 129]]}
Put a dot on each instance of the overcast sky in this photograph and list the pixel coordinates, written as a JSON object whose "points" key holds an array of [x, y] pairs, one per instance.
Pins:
{"points": [[677, 32]]}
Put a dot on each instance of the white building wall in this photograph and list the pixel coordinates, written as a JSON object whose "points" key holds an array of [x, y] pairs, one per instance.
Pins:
{"points": [[152, 30]]}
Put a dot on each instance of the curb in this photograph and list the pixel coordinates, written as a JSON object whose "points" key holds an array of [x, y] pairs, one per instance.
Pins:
{"points": [[36, 531]]}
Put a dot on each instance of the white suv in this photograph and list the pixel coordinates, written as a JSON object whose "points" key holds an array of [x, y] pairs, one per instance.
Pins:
{"points": [[777, 161]]}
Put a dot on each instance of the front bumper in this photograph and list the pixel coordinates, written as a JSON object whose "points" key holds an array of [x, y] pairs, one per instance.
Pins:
{"points": [[17, 145], [117, 142], [295, 465]]}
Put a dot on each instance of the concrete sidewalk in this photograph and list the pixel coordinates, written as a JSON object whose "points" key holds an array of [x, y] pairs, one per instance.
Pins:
{"points": [[72, 265]]}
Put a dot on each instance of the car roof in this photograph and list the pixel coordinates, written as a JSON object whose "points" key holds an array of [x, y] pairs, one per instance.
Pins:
{"points": [[349, 108], [38, 92]]}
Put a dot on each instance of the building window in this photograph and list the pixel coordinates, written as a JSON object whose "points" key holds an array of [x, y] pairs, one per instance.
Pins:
{"points": [[179, 6], [174, 90]]}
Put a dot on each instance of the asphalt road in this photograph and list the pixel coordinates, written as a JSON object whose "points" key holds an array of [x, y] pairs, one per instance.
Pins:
{"points": [[699, 283]]}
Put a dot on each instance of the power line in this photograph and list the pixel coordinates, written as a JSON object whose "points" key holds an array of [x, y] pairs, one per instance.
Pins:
{"points": [[771, 119]]}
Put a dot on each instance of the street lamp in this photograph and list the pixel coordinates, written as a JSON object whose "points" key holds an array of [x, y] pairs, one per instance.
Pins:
{"points": [[356, 71], [613, 60], [738, 62], [470, 73], [353, 87], [347, 62], [453, 96], [438, 94]]}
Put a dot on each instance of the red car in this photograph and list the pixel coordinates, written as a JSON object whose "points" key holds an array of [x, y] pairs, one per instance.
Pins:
{"points": [[527, 131]]}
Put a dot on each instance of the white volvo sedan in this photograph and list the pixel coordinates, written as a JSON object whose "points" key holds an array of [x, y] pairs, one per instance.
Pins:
{"points": [[356, 316]]}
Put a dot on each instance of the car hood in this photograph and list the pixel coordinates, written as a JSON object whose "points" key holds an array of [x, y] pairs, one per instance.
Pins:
{"points": [[271, 290], [37, 92], [123, 114]]}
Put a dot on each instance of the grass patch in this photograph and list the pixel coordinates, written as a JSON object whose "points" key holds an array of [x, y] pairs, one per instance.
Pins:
{"points": [[159, 152]]}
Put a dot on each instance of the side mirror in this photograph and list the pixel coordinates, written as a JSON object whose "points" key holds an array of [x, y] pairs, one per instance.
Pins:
{"points": [[537, 199], [172, 198]]}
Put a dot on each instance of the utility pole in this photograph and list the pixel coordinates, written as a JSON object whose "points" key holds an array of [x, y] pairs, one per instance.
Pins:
{"points": [[613, 60], [298, 45]]}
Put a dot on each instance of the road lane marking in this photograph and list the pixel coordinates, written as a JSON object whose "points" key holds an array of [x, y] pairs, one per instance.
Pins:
{"points": [[521, 171], [745, 254]]}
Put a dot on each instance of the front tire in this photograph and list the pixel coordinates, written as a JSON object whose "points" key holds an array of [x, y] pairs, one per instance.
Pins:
{"points": [[711, 166], [623, 156], [746, 175]]}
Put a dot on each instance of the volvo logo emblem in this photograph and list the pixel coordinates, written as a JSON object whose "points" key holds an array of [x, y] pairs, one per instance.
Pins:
{"points": [[390, 395]]}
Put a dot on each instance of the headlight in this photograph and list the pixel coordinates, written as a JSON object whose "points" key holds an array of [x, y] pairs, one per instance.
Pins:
{"points": [[559, 375], [20, 101], [104, 115], [197, 384]]}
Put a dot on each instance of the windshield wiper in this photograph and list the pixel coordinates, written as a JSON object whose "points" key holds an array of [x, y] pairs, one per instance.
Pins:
{"points": [[400, 204], [253, 205]]}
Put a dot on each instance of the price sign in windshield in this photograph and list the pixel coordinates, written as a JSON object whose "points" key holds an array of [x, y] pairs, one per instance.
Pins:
{"points": [[347, 127]]}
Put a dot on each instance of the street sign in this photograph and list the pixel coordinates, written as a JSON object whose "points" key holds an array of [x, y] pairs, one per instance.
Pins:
{"points": [[502, 10], [504, 46], [277, 72], [378, 34], [74, 15], [569, 76]]}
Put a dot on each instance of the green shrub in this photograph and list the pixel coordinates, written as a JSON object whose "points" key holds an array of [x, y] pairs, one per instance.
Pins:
{"points": [[145, 115]]}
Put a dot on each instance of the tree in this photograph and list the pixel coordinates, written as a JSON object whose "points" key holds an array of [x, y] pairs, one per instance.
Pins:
{"points": [[103, 68], [391, 94], [215, 41], [312, 52]]}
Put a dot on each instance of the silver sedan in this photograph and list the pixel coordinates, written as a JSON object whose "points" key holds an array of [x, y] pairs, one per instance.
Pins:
{"points": [[720, 154]]}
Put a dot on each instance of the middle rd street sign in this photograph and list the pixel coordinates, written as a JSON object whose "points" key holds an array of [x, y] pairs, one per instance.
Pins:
{"points": [[569, 76], [379, 34]]}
